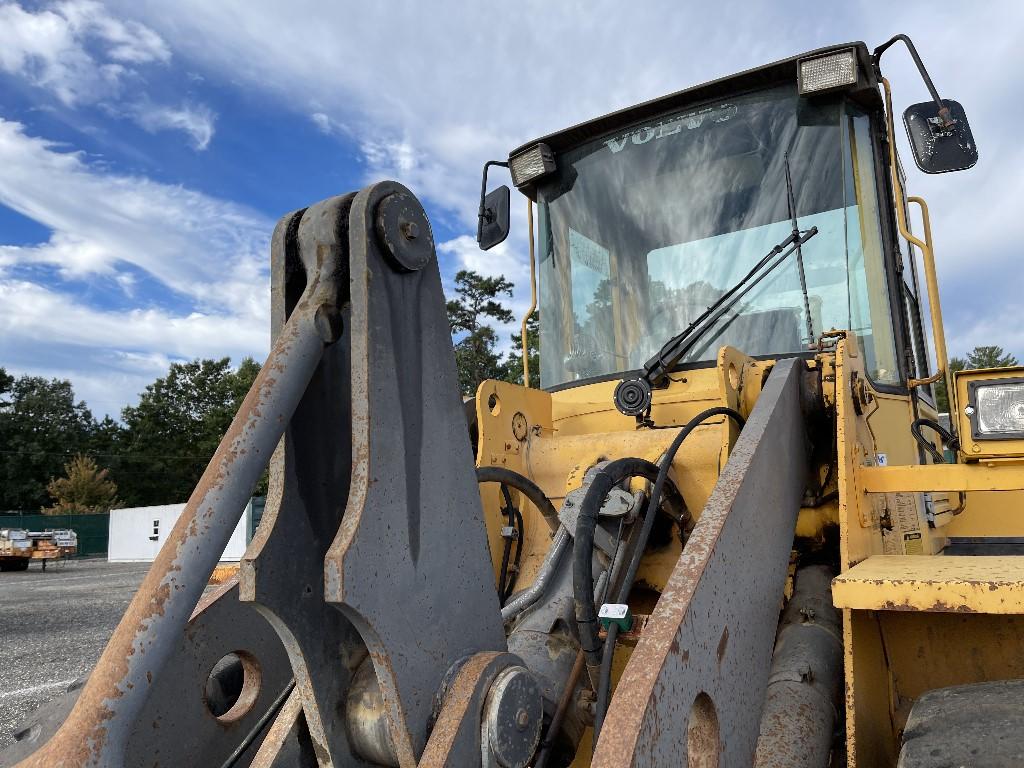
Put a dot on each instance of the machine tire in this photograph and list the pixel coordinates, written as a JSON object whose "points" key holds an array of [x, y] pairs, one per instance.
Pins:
{"points": [[14, 564], [980, 725]]}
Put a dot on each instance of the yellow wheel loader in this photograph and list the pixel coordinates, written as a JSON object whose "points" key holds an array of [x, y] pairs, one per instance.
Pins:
{"points": [[727, 530]]}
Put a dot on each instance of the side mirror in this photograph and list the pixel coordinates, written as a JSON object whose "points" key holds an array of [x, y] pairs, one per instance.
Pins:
{"points": [[940, 143], [494, 224]]}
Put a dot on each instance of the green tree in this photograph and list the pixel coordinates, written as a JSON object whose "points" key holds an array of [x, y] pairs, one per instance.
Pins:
{"points": [[84, 489], [514, 365], [173, 432], [941, 395], [989, 357], [475, 355], [979, 357], [41, 426]]}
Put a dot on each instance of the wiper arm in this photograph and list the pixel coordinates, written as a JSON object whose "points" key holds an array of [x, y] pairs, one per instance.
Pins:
{"points": [[633, 396], [799, 254]]}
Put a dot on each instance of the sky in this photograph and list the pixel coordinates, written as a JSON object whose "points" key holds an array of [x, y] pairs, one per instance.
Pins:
{"points": [[148, 148]]}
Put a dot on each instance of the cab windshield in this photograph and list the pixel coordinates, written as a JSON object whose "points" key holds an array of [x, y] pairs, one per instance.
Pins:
{"points": [[642, 230]]}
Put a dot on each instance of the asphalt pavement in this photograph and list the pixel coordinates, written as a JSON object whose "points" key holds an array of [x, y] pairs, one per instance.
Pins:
{"points": [[53, 627]]}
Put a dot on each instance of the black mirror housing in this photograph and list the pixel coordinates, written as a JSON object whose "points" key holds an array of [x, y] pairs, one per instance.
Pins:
{"points": [[494, 223], [940, 145]]}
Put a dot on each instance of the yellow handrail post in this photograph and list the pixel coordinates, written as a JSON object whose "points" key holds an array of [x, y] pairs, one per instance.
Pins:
{"points": [[533, 294]]}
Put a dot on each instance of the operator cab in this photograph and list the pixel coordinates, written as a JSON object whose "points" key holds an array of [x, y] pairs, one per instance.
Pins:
{"points": [[649, 215]]}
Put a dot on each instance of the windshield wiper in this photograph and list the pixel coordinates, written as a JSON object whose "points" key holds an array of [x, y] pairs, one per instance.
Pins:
{"points": [[633, 396], [799, 254]]}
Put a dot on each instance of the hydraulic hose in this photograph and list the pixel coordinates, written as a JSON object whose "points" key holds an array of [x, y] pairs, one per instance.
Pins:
{"points": [[659, 489], [948, 438], [524, 485], [604, 685], [602, 483]]}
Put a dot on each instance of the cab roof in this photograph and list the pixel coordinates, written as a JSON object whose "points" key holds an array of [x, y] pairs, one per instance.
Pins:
{"points": [[765, 76]]}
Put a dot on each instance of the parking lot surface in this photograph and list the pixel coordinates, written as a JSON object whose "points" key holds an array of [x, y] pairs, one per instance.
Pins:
{"points": [[53, 627]]}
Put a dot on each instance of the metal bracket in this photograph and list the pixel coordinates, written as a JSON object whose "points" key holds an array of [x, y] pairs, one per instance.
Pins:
{"points": [[410, 567]]}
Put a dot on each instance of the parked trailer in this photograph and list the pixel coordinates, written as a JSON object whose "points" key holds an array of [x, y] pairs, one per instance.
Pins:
{"points": [[53, 544], [18, 546], [15, 549]]}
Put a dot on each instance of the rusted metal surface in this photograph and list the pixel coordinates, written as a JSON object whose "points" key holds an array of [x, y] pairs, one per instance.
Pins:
{"points": [[692, 691], [455, 739], [110, 707], [175, 726], [286, 739], [409, 567], [950, 584]]}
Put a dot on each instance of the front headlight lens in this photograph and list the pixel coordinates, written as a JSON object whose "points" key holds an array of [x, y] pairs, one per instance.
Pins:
{"points": [[999, 409]]}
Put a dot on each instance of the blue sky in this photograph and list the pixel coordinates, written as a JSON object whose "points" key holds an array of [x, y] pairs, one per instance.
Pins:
{"points": [[147, 148]]}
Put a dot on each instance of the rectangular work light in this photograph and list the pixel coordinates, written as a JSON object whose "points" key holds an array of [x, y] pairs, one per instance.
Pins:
{"points": [[531, 164], [990, 412], [821, 74], [998, 408]]}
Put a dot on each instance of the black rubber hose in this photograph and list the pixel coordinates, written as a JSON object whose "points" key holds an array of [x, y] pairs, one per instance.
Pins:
{"points": [[665, 466], [945, 434], [604, 480], [514, 575], [659, 488], [503, 587], [522, 484]]}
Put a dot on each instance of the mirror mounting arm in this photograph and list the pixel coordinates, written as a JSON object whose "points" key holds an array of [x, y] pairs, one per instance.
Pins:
{"points": [[944, 113], [482, 215]]}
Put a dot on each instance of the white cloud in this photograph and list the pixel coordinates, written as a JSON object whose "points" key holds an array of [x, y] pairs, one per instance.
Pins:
{"points": [[208, 255], [461, 85], [322, 121], [194, 244], [197, 121], [51, 49], [83, 55], [43, 48], [328, 126], [428, 92], [124, 41], [36, 314]]}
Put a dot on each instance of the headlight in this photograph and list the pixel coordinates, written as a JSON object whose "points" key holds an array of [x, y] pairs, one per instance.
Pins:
{"points": [[531, 164], [996, 408], [827, 73]]}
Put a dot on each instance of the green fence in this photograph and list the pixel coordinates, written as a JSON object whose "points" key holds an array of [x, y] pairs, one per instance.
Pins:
{"points": [[93, 530]]}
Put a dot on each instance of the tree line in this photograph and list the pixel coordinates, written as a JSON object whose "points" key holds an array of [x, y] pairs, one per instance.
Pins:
{"points": [[57, 457]]}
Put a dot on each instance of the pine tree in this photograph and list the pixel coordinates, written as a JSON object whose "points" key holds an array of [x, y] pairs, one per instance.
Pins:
{"points": [[475, 355], [515, 356]]}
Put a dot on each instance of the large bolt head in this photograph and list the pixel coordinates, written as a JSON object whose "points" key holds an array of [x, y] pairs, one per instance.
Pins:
{"points": [[404, 232], [514, 714]]}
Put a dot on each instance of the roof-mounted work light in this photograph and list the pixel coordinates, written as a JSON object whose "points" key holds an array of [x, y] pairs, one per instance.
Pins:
{"points": [[821, 74], [531, 164]]}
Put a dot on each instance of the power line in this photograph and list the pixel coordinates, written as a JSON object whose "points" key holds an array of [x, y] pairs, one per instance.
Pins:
{"points": [[140, 456]]}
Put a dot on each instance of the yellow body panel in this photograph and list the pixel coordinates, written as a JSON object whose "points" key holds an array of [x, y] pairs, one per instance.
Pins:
{"points": [[942, 477], [965, 584]]}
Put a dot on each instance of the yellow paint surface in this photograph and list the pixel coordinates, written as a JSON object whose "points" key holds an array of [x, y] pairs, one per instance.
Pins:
{"points": [[972, 584]]}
